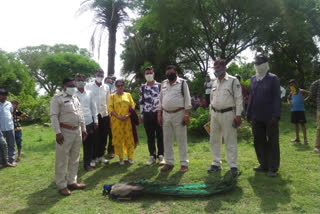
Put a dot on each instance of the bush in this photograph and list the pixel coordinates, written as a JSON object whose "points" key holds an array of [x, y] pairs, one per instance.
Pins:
{"points": [[200, 117], [37, 108]]}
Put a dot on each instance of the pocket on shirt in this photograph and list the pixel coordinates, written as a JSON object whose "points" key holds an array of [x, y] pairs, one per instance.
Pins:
{"points": [[69, 107]]}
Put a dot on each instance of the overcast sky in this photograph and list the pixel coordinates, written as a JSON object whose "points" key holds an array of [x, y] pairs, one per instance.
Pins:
{"points": [[35, 22]]}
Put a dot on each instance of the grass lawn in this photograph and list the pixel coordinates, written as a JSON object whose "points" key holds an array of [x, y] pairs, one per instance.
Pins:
{"points": [[30, 188]]}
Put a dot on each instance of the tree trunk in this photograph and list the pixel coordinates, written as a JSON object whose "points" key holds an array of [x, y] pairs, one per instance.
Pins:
{"points": [[111, 50]]}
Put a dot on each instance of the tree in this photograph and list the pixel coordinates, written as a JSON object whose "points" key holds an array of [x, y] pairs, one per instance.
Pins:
{"points": [[32, 57], [56, 67], [14, 76], [108, 14]]}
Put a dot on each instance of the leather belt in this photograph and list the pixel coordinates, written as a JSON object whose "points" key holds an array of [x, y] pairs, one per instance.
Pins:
{"points": [[65, 126], [222, 110], [174, 111]]}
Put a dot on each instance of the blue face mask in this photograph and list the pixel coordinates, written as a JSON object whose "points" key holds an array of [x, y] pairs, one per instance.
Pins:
{"points": [[219, 73], [110, 85]]}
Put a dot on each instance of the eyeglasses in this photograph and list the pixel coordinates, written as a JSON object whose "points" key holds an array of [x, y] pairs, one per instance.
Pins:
{"points": [[118, 86]]}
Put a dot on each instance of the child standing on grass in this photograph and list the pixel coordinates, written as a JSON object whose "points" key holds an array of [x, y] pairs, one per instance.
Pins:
{"points": [[297, 109], [18, 116]]}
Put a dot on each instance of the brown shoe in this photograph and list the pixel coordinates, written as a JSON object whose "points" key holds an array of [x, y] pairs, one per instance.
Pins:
{"points": [[76, 186], [183, 169], [89, 169], [13, 164], [65, 191], [166, 167], [111, 155]]}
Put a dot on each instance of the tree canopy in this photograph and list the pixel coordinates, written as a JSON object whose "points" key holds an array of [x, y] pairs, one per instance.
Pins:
{"points": [[59, 66]]}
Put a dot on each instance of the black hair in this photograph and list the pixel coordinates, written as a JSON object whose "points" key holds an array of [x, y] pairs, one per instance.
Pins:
{"points": [[171, 67], [4, 92], [99, 71], [117, 81], [66, 80]]}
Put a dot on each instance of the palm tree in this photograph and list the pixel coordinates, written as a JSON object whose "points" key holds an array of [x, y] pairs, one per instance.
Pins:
{"points": [[109, 14]]}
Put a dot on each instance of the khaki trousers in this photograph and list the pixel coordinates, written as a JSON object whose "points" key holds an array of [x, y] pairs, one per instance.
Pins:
{"points": [[221, 126], [317, 143], [67, 156], [172, 124]]}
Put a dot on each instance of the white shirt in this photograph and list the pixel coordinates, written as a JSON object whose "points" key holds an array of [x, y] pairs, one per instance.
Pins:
{"points": [[209, 86], [226, 93], [171, 97], [88, 107], [283, 92], [100, 96]]}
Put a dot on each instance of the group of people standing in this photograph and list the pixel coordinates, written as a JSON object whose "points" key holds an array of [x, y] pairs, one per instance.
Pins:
{"points": [[10, 130], [89, 113]]}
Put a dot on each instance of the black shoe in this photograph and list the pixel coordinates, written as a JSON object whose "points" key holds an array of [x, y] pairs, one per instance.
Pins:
{"points": [[214, 168], [234, 171], [260, 169], [272, 174]]}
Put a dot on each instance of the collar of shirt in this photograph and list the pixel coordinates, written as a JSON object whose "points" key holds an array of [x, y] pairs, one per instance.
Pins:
{"points": [[226, 77], [178, 80], [155, 83]]}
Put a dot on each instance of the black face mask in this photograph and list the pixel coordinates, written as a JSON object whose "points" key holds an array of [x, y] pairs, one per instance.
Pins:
{"points": [[171, 76]]}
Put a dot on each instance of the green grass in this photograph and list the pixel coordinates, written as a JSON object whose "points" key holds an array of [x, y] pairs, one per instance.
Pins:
{"points": [[30, 188]]}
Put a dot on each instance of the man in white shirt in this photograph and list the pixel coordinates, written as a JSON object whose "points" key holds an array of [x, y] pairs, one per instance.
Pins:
{"points": [[101, 93], [89, 109]]}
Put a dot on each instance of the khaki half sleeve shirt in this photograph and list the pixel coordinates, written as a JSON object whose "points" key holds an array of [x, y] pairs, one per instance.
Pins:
{"points": [[171, 97], [66, 109], [226, 93]]}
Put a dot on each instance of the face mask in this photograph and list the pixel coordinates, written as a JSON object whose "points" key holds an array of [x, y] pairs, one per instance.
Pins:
{"points": [[262, 69], [99, 79], [293, 90], [80, 84], [149, 77], [109, 84], [219, 73], [71, 91], [171, 76]]}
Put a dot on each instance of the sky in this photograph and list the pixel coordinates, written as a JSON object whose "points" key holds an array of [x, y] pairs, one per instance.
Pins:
{"points": [[35, 22]]}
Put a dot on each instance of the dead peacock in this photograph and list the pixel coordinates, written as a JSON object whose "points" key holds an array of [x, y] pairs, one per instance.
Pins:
{"points": [[131, 190]]}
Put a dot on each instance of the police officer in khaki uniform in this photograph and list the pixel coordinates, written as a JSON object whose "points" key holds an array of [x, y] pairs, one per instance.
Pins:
{"points": [[173, 115], [225, 110], [68, 124]]}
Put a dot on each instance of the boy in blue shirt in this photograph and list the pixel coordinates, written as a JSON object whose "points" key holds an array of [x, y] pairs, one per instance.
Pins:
{"points": [[297, 109]]}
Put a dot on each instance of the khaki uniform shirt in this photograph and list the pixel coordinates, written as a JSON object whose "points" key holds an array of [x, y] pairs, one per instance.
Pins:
{"points": [[66, 109], [171, 97], [226, 93]]}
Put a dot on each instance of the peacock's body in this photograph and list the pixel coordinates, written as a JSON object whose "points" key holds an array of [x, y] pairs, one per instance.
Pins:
{"points": [[127, 191]]}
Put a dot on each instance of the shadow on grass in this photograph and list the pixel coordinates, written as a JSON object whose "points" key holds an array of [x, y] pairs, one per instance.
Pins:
{"points": [[101, 173], [215, 201], [41, 201], [271, 191], [301, 146]]}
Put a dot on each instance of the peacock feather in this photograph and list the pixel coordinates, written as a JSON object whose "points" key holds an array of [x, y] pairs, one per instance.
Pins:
{"points": [[126, 191]]}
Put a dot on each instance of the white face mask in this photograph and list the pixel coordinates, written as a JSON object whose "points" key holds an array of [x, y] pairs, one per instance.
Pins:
{"points": [[71, 91], [80, 84], [99, 79], [149, 77], [262, 69]]}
